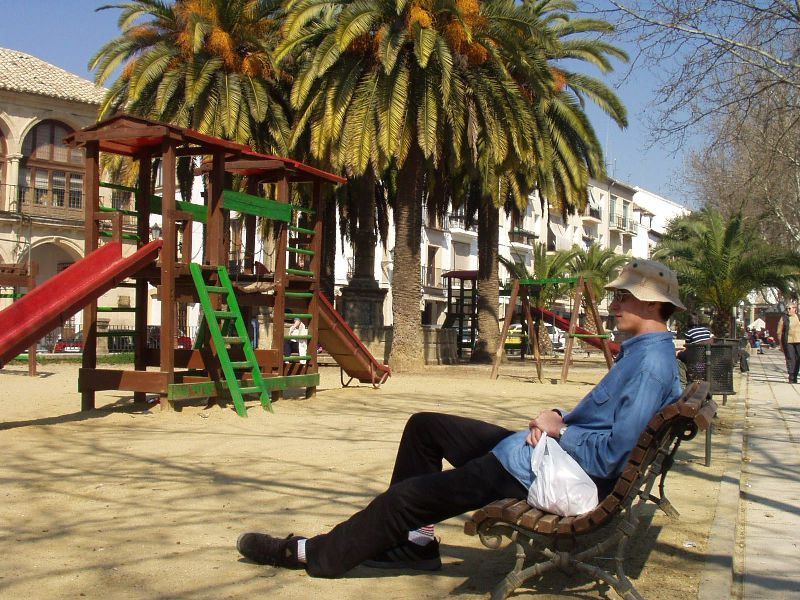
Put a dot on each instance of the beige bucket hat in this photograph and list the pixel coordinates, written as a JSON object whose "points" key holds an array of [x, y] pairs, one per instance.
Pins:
{"points": [[650, 281]]}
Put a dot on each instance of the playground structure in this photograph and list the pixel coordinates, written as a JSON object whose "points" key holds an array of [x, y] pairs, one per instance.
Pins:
{"points": [[223, 362], [14, 276], [462, 308], [521, 290]]}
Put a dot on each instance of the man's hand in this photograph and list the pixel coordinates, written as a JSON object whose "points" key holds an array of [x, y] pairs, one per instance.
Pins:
{"points": [[534, 436], [549, 421]]}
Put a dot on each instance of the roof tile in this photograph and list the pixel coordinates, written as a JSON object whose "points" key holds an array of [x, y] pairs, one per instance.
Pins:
{"points": [[20, 72]]}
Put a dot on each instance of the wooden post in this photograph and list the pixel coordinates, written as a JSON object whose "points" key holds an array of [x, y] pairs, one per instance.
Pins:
{"points": [[279, 308], [142, 299], [168, 253], [533, 335], [215, 240], [91, 195], [501, 348], [33, 271], [573, 322], [316, 267], [592, 307], [250, 231]]}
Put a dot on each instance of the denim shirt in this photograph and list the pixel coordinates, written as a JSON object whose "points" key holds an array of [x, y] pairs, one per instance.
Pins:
{"points": [[605, 426]]}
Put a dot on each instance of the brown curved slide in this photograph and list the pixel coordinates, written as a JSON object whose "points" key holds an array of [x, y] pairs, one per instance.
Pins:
{"points": [[346, 348]]}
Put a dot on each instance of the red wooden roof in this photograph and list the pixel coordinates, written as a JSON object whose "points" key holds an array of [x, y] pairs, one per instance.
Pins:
{"points": [[462, 274], [129, 135], [269, 168]]}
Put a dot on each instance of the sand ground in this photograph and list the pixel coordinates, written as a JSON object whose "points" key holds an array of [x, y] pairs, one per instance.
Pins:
{"points": [[125, 502]]}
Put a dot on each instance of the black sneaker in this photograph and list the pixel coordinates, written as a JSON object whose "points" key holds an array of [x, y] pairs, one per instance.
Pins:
{"points": [[267, 550], [408, 555]]}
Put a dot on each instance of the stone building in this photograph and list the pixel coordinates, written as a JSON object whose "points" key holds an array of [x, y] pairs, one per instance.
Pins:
{"points": [[41, 179]]}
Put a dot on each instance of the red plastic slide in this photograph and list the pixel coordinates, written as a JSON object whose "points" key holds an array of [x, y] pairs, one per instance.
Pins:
{"points": [[563, 324], [48, 305], [347, 350]]}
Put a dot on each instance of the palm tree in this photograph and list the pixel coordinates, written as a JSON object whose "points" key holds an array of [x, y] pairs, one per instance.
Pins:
{"points": [[597, 266], [409, 86], [566, 150], [720, 261], [204, 64]]}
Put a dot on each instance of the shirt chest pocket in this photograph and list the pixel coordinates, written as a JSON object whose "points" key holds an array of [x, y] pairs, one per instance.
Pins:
{"points": [[600, 394]]}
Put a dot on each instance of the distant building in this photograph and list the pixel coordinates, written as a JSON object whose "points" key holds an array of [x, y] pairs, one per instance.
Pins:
{"points": [[620, 216], [41, 180]]}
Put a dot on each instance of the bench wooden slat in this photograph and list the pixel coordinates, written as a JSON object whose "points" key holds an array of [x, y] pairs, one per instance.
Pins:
{"points": [[513, 512], [530, 518], [547, 524], [565, 525], [495, 509]]}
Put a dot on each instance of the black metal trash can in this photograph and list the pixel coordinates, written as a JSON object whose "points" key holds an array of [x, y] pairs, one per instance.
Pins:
{"points": [[716, 365]]}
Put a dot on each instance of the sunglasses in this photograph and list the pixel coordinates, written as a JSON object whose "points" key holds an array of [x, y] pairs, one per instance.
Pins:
{"points": [[621, 295]]}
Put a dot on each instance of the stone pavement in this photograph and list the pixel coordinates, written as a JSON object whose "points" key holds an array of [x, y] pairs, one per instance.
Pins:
{"points": [[754, 547], [768, 524]]}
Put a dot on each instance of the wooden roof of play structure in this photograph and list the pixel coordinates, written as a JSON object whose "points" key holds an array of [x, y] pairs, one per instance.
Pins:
{"points": [[129, 135], [268, 168]]}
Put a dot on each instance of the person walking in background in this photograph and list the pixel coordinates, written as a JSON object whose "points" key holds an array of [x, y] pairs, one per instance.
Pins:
{"points": [[789, 339]]}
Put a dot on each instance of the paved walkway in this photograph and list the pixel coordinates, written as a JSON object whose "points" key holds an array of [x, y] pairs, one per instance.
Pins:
{"points": [[768, 521]]}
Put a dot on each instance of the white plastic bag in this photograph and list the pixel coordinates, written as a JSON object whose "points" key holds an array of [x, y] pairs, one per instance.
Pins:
{"points": [[559, 486]]}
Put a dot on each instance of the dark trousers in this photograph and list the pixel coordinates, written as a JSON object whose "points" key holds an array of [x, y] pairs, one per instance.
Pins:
{"points": [[420, 492], [792, 355]]}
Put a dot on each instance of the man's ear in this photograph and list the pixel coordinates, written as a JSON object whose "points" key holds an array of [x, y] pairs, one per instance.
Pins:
{"points": [[654, 310]]}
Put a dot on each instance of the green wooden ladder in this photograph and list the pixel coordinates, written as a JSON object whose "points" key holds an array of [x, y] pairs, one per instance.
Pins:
{"points": [[219, 321], [302, 275]]}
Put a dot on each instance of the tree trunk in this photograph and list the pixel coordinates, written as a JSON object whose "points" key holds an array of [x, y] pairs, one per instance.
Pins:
{"points": [[329, 233], [407, 351], [488, 283], [365, 239]]}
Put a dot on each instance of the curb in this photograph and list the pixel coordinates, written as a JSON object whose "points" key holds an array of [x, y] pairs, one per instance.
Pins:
{"points": [[717, 579]]}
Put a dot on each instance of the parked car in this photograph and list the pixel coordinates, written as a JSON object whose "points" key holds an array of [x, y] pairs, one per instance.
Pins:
{"points": [[516, 335], [556, 337], [72, 344]]}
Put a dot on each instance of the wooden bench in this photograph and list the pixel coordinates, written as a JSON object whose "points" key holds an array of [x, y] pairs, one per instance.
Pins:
{"points": [[568, 543]]}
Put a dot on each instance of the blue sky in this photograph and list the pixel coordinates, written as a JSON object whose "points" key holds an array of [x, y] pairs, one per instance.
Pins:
{"points": [[67, 33]]}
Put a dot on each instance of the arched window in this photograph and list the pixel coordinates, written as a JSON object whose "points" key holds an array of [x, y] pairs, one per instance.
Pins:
{"points": [[3, 153], [50, 173]]}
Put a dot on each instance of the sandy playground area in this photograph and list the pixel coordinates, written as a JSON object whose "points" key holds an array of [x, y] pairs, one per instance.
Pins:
{"points": [[125, 502]]}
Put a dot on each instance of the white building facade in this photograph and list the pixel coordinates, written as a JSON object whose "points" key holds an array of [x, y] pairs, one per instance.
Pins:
{"points": [[625, 218]]}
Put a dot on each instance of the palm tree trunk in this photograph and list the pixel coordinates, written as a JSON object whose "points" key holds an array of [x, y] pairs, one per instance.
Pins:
{"points": [[407, 352], [328, 262], [365, 239], [488, 283]]}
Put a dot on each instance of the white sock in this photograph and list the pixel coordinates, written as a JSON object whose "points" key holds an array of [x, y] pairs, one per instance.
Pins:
{"points": [[301, 550], [422, 536]]}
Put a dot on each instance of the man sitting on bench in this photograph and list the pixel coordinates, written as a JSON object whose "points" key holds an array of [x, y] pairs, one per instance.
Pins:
{"points": [[491, 462]]}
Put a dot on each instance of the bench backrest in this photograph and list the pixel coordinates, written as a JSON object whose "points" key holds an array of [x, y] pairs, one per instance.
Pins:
{"points": [[681, 420], [651, 457]]}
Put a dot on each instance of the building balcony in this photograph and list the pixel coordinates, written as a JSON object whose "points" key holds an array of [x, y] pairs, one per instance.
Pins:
{"points": [[431, 277], [457, 221], [54, 203], [592, 215], [521, 236], [616, 223], [630, 226], [57, 203]]}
